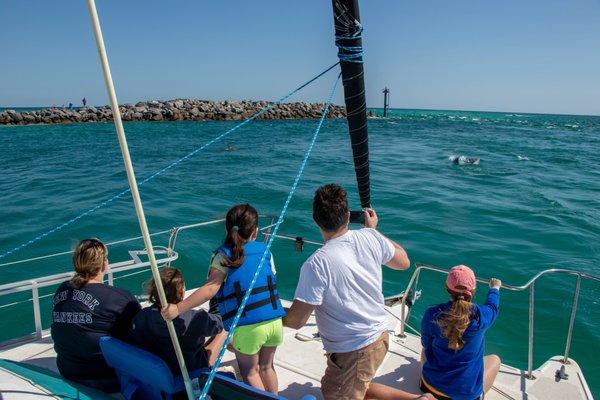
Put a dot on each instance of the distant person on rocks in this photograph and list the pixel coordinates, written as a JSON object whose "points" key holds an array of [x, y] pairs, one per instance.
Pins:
{"points": [[84, 101], [70, 106], [232, 267], [453, 336], [85, 309], [149, 330], [342, 283]]}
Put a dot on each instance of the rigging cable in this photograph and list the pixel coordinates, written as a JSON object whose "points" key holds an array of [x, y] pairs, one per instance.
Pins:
{"points": [[272, 236], [168, 167]]}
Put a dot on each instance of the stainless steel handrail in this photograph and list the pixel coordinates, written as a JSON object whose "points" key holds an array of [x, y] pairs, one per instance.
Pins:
{"points": [[529, 285], [168, 252], [50, 280], [171, 255], [35, 284]]}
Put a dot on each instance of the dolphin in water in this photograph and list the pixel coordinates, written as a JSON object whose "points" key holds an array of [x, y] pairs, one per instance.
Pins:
{"points": [[463, 160], [230, 147]]}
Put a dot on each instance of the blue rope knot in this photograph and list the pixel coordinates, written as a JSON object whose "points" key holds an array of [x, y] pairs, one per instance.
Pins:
{"points": [[350, 53]]}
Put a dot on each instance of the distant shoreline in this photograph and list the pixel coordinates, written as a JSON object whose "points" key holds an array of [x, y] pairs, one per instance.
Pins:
{"points": [[373, 111], [171, 110]]}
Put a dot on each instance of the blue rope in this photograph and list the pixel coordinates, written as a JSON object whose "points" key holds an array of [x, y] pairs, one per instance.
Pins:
{"points": [[350, 53], [168, 167], [236, 319]]}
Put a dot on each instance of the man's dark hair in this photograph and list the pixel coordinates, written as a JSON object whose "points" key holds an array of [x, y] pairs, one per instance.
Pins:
{"points": [[330, 207]]}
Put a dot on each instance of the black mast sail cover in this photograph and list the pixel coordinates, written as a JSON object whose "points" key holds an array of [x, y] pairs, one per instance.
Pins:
{"points": [[348, 31]]}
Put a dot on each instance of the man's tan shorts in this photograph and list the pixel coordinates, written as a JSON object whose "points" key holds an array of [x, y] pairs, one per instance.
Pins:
{"points": [[348, 375]]}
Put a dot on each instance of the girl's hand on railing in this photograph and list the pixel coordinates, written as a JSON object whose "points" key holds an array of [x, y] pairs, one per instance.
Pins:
{"points": [[170, 312], [495, 283]]}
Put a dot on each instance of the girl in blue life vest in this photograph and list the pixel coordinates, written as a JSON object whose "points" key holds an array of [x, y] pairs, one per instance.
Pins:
{"points": [[231, 270]]}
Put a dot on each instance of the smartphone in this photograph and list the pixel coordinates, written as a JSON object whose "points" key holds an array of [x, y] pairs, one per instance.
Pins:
{"points": [[357, 217]]}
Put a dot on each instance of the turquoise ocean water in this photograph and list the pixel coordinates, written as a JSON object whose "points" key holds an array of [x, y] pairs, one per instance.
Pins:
{"points": [[533, 203]]}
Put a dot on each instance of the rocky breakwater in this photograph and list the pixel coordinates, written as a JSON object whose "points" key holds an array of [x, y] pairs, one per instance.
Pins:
{"points": [[172, 110]]}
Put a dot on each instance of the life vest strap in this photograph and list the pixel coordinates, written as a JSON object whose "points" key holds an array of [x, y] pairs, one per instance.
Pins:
{"points": [[239, 295], [253, 306], [257, 290], [271, 287]]}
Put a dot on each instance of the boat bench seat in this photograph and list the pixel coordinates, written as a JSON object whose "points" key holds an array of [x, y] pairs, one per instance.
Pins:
{"points": [[144, 375]]}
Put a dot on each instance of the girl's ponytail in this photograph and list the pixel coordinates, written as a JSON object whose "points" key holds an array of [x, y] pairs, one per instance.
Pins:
{"points": [[240, 223], [79, 280], [455, 321]]}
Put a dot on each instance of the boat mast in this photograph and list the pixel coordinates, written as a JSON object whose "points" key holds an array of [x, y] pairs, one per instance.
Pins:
{"points": [[346, 18], [134, 188]]}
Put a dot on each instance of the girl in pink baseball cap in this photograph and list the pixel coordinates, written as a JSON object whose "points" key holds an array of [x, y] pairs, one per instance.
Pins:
{"points": [[453, 337]]}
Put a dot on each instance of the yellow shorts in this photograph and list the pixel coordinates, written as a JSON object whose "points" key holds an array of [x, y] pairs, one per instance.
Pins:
{"points": [[248, 339]]}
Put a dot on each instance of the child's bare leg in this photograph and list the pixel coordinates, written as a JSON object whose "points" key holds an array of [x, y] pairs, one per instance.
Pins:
{"points": [[267, 370], [249, 369]]}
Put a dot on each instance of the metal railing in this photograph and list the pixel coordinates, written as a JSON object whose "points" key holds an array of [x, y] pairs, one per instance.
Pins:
{"points": [[166, 255], [529, 285], [170, 255], [33, 285]]}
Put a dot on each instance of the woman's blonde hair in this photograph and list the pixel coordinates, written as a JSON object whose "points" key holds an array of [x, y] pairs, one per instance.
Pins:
{"points": [[88, 259], [456, 320]]}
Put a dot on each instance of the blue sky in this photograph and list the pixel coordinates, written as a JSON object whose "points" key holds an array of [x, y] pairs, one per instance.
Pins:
{"points": [[529, 56]]}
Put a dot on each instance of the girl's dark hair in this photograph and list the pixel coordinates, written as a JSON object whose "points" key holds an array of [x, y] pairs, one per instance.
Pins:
{"points": [[456, 320], [88, 258], [330, 207], [240, 223], [173, 284]]}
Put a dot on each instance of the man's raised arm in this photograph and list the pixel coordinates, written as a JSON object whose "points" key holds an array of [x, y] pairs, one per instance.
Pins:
{"points": [[400, 258], [297, 315]]}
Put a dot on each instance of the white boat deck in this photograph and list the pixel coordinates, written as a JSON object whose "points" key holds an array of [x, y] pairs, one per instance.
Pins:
{"points": [[300, 363]]}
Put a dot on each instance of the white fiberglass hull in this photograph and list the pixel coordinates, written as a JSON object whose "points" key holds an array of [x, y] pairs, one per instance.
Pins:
{"points": [[300, 363]]}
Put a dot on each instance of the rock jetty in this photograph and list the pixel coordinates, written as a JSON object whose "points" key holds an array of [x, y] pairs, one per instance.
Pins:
{"points": [[172, 110]]}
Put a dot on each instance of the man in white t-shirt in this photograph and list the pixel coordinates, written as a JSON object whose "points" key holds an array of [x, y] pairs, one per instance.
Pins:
{"points": [[342, 283]]}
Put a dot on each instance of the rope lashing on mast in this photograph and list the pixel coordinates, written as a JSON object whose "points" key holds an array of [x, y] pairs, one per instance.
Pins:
{"points": [[349, 53], [272, 236], [168, 167], [348, 39]]}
